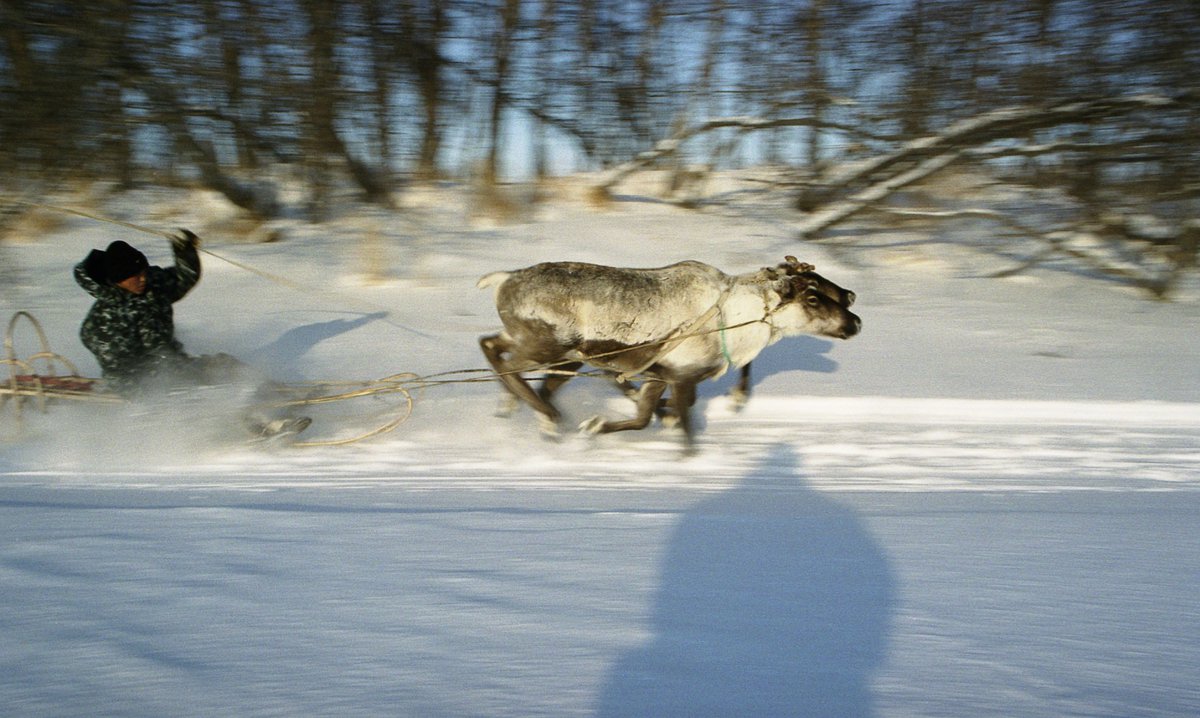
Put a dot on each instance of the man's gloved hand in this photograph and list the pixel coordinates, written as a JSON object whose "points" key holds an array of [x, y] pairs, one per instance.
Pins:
{"points": [[185, 240]]}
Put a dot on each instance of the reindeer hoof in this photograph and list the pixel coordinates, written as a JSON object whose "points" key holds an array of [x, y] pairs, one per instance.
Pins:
{"points": [[507, 406], [738, 399], [548, 427], [592, 426]]}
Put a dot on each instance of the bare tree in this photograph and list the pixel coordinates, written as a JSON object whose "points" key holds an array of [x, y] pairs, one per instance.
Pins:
{"points": [[503, 49], [324, 100], [379, 49], [423, 27]]}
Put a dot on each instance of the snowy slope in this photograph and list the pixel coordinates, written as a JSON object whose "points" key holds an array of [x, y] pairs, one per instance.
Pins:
{"points": [[982, 505]]}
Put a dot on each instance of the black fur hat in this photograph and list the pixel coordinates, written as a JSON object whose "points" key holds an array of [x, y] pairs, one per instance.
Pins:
{"points": [[122, 261]]}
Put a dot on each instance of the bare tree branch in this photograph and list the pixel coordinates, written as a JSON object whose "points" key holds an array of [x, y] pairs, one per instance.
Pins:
{"points": [[1178, 248], [839, 211], [670, 145]]}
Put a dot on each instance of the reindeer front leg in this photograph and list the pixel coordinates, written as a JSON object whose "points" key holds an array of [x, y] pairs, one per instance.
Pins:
{"points": [[683, 396], [647, 401], [740, 393]]}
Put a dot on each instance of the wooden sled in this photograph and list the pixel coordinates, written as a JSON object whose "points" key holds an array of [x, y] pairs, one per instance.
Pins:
{"points": [[46, 376]]}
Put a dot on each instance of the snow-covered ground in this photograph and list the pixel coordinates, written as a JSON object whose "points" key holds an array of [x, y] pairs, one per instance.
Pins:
{"points": [[984, 505]]}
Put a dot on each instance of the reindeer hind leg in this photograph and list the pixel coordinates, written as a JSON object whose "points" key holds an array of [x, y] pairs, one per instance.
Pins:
{"points": [[495, 347]]}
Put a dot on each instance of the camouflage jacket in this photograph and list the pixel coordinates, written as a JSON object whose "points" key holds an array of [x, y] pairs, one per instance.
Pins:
{"points": [[133, 335]]}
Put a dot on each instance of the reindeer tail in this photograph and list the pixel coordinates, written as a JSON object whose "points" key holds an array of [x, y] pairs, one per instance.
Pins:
{"points": [[493, 279]]}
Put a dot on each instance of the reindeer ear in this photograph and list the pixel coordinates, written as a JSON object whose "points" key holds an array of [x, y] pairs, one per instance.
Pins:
{"points": [[787, 289]]}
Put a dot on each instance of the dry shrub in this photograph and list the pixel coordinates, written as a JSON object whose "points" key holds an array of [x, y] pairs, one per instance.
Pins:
{"points": [[599, 198], [957, 182], [242, 227], [492, 204], [373, 255], [32, 224], [576, 189]]}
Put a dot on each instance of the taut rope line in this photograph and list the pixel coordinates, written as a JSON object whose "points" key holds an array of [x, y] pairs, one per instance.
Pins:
{"points": [[165, 235], [275, 278]]}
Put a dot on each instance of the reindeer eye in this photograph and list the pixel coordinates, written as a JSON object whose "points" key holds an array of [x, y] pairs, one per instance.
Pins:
{"points": [[812, 300]]}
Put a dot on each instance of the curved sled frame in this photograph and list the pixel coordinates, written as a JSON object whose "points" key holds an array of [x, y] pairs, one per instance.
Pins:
{"points": [[26, 381]]}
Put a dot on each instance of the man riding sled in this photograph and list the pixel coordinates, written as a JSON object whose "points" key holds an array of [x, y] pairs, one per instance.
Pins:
{"points": [[130, 328]]}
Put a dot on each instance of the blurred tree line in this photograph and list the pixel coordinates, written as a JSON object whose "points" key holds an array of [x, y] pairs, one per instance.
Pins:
{"points": [[228, 92]]}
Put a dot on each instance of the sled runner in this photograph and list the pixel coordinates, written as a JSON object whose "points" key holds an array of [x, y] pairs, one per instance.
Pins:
{"points": [[46, 376]]}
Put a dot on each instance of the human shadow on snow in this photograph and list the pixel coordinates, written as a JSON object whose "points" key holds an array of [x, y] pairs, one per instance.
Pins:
{"points": [[296, 342], [774, 601]]}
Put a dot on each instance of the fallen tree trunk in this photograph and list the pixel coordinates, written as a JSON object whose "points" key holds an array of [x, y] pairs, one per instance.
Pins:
{"points": [[828, 216], [847, 189], [966, 134]]}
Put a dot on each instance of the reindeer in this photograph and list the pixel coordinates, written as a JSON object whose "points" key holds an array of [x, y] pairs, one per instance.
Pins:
{"points": [[740, 392], [673, 326]]}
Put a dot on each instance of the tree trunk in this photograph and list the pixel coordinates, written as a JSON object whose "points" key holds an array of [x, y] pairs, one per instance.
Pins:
{"points": [[818, 93], [421, 46], [502, 59], [382, 82]]}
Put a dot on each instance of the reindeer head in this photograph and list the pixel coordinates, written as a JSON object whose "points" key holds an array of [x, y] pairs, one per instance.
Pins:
{"points": [[802, 276], [810, 303], [804, 310]]}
